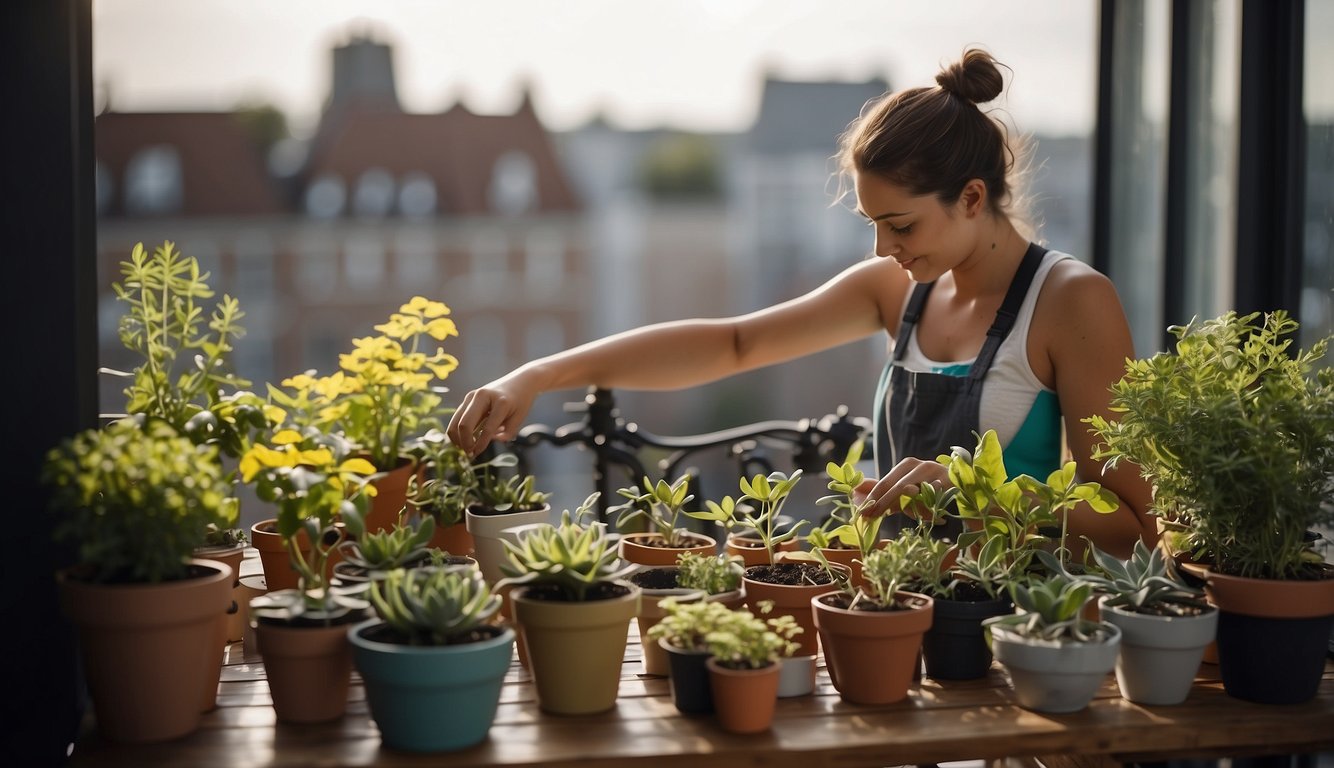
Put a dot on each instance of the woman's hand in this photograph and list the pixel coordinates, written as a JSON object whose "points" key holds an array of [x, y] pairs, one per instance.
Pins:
{"points": [[905, 479], [493, 412]]}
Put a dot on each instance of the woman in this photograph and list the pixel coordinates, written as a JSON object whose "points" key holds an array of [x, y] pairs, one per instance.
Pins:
{"points": [[930, 172]]}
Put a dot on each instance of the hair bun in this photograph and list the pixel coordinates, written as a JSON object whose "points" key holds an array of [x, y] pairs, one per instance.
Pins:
{"points": [[974, 78]]}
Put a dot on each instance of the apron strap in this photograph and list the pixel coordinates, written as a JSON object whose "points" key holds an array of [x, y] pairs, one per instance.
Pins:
{"points": [[910, 317], [1008, 312]]}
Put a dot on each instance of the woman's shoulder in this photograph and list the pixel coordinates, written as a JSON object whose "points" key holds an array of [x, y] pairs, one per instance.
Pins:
{"points": [[1071, 282], [1077, 304]]}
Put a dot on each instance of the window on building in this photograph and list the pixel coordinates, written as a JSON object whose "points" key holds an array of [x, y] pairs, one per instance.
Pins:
{"points": [[317, 267], [484, 348], [363, 261], [153, 183], [326, 196], [490, 264], [544, 261], [415, 260], [416, 195], [513, 188], [374, 194]]}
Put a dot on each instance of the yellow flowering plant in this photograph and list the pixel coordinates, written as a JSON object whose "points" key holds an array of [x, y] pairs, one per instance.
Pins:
{"points": [[312, 480], [385, 393]]}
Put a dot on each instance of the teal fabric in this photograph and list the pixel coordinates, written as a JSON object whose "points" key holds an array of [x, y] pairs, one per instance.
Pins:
{"points": [[1036, 447]]}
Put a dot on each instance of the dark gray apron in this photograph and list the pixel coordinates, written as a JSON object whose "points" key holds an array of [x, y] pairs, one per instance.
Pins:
{"points": [[930, 413]]}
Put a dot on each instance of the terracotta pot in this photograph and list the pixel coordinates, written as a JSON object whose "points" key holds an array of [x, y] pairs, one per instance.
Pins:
{"points": [[487, 533], [794, 601], [453, 539], [575, 649], [846, 557], [146, 649], [1272, 636], [391, 496], [277, 563], [744, 699], [872, 654], [231, 557], [752, 552], [634, 550], [308, 669]]}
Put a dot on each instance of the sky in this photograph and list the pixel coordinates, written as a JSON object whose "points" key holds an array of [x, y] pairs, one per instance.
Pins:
{"points": [[689, 64]]}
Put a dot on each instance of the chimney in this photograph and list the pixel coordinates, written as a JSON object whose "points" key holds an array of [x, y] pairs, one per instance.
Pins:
{"points": [[364, 76]]}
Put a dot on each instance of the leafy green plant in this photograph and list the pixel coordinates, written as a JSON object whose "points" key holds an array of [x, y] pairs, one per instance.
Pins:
{"points": [[659, 505], [571, 558], [686, 624], [381, 551], [184, 376], [137, 498], [312, 481], [433, 606], [1146, 583], [1049, 609], [741, 640], [384, 396], [913, 558], [1011, 511], [713, 574], [770, 492], [846, 524], [1235, 431], [458, 482]]}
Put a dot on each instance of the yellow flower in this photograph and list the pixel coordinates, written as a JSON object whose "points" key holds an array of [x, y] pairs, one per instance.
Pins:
{"points": [[442, 364], [286, 437], [423, 307], [301, 382], [411, 362], [330, 387], [442, 328]]}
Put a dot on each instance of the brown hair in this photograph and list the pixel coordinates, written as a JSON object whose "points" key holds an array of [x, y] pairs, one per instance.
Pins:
{"points": [[932, 141]]}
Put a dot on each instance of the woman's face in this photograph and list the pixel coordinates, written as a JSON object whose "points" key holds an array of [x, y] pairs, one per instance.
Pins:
{"points": [[925, 237]]}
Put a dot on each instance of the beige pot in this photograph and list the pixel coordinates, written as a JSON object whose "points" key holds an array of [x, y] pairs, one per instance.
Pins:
{"points": [[575, 649]]}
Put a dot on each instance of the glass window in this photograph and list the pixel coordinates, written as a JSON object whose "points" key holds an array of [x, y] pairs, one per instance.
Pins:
{"points": [[416, 195], [326, 196], [374, 196], [484, 346], [363, 261], [1317, 299], [513, 187], [1138, 165], [490, 267], [317, 267], [153, 183], [544, 261], [415, 260]]}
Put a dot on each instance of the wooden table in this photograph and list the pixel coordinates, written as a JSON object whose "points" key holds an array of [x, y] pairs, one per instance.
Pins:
{"points": [[938, 722]]}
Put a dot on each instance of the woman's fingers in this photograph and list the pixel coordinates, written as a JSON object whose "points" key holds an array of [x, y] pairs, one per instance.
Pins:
{"points": [[905, 479]]}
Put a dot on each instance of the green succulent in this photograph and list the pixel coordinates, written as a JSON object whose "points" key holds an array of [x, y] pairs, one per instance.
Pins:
{"points": [[429, 606], [660, 505], [137, 498], [399, 546], [573, 557], [713, 574], [1146, 583], [1049, 609]]}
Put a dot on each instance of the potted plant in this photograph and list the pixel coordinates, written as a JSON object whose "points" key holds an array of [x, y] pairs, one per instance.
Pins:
{"points": [[136, 498], [573, 608], [871, 634], [441, 491], [1235, 430], [383, 398], [680, 636], [432, 663], [1055, 657], [788, 584], [497, 498], [847, 536], [659, 507], [368, 555], [301, 633], [1165, 623], [714, 578], [746, 654]]}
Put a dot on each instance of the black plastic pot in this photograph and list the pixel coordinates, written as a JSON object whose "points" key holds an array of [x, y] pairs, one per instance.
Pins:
{"points": [[689, 680], [1272, 661], [955, 647]]}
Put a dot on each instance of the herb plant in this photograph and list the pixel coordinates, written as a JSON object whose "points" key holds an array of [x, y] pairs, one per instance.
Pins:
{"points": [[741, 640], [713, 574], [770, 493], [1235, 430], [659, 505]]}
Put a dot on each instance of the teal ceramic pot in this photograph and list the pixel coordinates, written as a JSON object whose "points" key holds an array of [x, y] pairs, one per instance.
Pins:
{"points": [[431, 698]]}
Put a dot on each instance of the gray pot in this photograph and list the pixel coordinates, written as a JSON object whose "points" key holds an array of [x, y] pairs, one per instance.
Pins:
{"points": [[1159, 654], [1054, 676]]}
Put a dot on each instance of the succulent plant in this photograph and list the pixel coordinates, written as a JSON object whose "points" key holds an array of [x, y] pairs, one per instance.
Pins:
{"points": [[431, 606], [573, 557]]}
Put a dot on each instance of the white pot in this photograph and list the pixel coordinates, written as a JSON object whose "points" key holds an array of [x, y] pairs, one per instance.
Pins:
{"points": [[796, 676], [1055, 676], [487, 532], [1159, 654]]}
